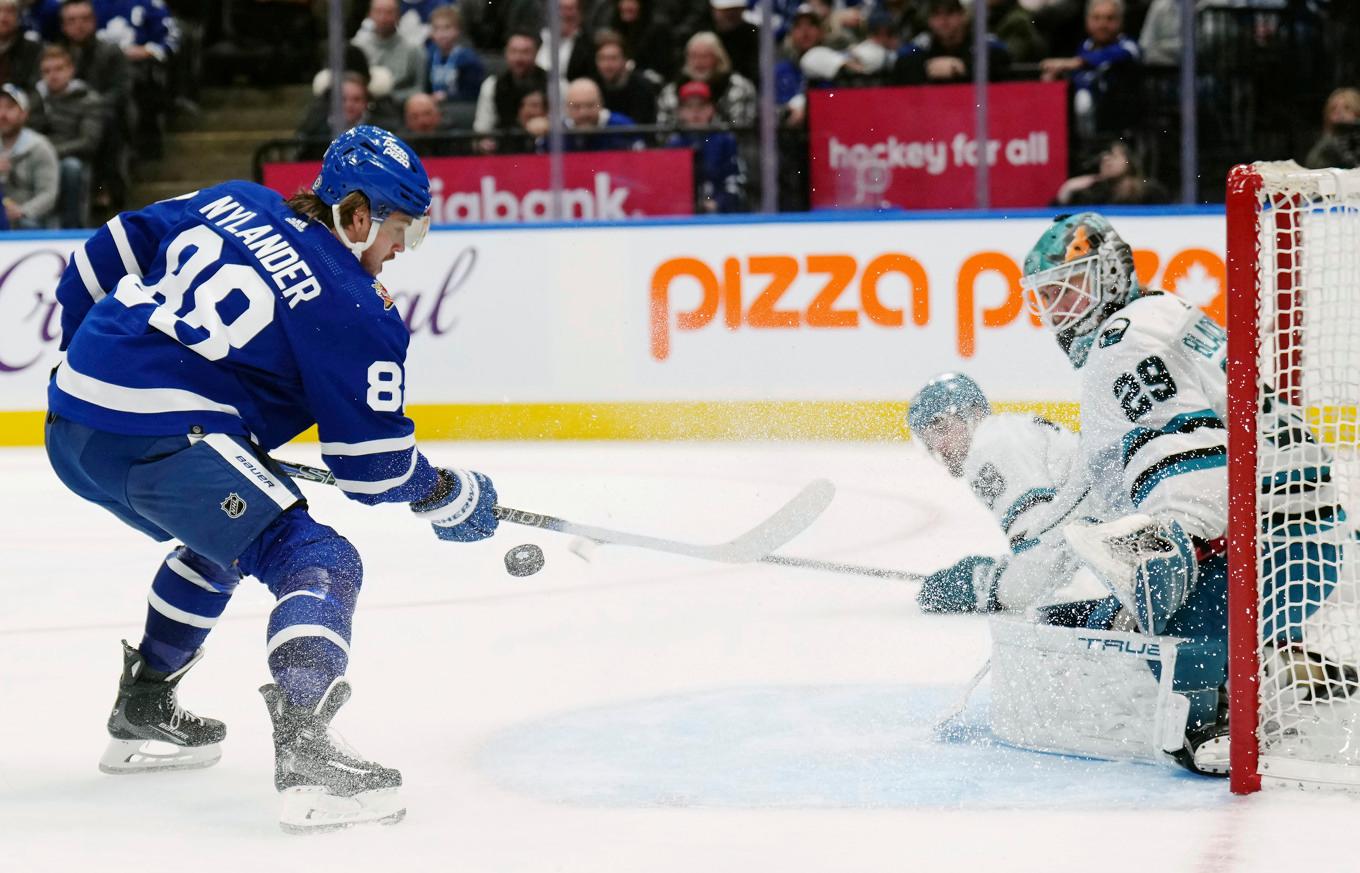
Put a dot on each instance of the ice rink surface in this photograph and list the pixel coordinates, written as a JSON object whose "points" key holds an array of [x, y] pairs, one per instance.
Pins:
{"points": [[634, 712]]}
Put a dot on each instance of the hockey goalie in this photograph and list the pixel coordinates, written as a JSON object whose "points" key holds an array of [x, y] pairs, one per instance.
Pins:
{"points": [[1139, 672]]}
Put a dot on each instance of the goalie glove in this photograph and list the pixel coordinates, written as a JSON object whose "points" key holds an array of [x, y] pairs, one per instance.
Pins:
{"points": [[968, 586], [461, 507], [1149, 564]]}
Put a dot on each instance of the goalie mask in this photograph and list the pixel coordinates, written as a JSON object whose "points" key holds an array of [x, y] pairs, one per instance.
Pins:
{"points": [[943, 415], [1078, 273]]}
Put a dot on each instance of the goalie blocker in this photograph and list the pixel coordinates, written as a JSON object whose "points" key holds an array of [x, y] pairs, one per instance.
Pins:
{"points": [[1105, 694]]}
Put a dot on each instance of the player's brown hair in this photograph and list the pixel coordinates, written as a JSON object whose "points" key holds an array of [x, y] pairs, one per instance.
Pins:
{"points": [[307, 204]]}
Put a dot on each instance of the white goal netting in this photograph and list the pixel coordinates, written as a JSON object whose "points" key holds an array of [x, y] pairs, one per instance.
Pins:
{"points": [[1308, 467]]}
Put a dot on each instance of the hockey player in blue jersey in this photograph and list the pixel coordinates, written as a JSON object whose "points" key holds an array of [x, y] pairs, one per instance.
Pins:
{"points": [[1153, 407], [200, 333]]}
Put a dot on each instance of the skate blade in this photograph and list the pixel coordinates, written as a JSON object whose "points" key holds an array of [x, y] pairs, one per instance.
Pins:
{"points": [[123, 757], [315, 810], [1212, 757]]}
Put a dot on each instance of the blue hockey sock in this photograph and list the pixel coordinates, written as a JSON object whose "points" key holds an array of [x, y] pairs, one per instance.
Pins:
{"points": [[316, 574], [186, 599]]}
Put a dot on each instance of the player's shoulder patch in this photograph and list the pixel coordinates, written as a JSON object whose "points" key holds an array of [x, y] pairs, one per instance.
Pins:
{"points": [[1113, 332], [386, 298]]}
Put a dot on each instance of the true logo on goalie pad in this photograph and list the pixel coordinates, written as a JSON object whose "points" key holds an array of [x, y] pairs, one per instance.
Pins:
{"points": [[234, 506], [1127, 647]]}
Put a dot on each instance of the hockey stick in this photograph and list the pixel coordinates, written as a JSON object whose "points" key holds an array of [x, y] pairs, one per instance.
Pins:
{"points": [[838, 567], [791, 519], [948, 722]]}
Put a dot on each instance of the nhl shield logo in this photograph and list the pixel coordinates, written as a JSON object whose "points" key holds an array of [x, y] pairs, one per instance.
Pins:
{"points": [[234, 506]]}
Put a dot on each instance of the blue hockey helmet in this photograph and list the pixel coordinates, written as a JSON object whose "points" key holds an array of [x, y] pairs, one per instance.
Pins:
{"points": [[947, 394], [384, 169], [1078, 273]]}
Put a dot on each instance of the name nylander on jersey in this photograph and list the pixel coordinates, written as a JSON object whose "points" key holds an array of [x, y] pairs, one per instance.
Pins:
{"points": [[223, 311]]}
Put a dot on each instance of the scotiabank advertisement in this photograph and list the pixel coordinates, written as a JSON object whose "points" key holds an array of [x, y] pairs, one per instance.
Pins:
{"points": [[822, 311], [914, 148], [516, 188]]}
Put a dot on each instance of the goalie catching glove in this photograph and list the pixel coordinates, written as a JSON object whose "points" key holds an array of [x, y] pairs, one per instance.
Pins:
{"points": [[1149, 564], [461, 508], [968, 586]]}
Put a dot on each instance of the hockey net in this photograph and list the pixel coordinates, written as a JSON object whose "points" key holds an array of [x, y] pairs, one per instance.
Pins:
{"points": [[1294, 473]]}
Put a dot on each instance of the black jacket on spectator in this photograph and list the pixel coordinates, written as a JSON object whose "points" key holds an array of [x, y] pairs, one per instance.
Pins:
{"points": [[743, 47], [910, 68], [649, 41], [104, 67], [73, 120], [488, 23], [509, 92], [19, 63], [635, 98]]}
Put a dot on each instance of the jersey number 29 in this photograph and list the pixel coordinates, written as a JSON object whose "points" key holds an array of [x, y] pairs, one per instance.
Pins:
{"points": [[1153, 375]]}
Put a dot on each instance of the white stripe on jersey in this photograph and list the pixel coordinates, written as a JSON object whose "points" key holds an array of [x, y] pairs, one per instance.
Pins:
{"points": [[120, 240], [174, 613], [146, 400], [86, 270], [298, 631], [187, 573], [369, 447], [356, 486], [251, 469], [302, 593]]}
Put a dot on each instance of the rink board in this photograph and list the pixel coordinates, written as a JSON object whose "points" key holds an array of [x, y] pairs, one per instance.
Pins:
{"points": [[817, 326]]}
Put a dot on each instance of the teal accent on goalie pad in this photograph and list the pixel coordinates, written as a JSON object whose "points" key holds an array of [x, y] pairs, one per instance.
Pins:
{"points": [[800, 747], [1299, 576]]}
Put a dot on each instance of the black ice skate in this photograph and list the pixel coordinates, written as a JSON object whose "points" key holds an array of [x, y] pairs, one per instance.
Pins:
{"points": [[149, 730], [325, 785]]}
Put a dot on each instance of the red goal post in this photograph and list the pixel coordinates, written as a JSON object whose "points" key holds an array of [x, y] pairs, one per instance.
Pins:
{"points": [[1293, 394]]}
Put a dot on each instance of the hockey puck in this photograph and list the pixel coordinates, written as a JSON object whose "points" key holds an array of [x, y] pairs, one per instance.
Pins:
{"points": [[525, 560]]}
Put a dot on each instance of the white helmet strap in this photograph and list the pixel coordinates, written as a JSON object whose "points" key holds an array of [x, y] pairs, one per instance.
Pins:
{"points": [[357, 248]]}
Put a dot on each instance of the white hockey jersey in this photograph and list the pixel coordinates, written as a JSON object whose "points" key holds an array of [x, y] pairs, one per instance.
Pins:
{"points": [[1029, 474], [1153, 403], [1154, 398]]}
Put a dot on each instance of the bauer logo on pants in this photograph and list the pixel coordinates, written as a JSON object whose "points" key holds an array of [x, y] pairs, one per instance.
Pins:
{"points": [[234, 506]]}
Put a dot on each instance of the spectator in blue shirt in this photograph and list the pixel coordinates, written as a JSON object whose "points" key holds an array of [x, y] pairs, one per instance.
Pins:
{"points": [[1103, 75], [455, 71], [719, 172]]}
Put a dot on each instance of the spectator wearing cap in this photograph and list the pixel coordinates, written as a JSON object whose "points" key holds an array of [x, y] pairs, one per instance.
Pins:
{"points": [[1104, 76], [70, 114], [647, 37], [384, 47], [576, 53], [719, 172], [498, 101], [739, 37], [624, 90], [585, 111], [18, 54], [28, 165], [454, 70], [806, 34], [943, 53], [733, 95], [1011, 23]]}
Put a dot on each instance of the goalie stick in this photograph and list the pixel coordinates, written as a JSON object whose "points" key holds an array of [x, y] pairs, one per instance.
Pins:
{"points": [[790, 520]]}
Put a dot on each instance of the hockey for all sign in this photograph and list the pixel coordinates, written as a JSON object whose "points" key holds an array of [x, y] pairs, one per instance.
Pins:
{"points": [[515, 188], [914, 148]]}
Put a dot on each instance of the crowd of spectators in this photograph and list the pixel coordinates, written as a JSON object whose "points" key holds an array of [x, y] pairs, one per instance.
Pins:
{"points": [[472, 76], [85, 85]]}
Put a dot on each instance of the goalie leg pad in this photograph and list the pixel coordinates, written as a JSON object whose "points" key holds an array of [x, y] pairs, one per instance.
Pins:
{"points": [[1149, 564]]}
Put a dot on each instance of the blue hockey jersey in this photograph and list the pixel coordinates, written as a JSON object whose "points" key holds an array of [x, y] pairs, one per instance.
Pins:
{"points": [[223, 311]]}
